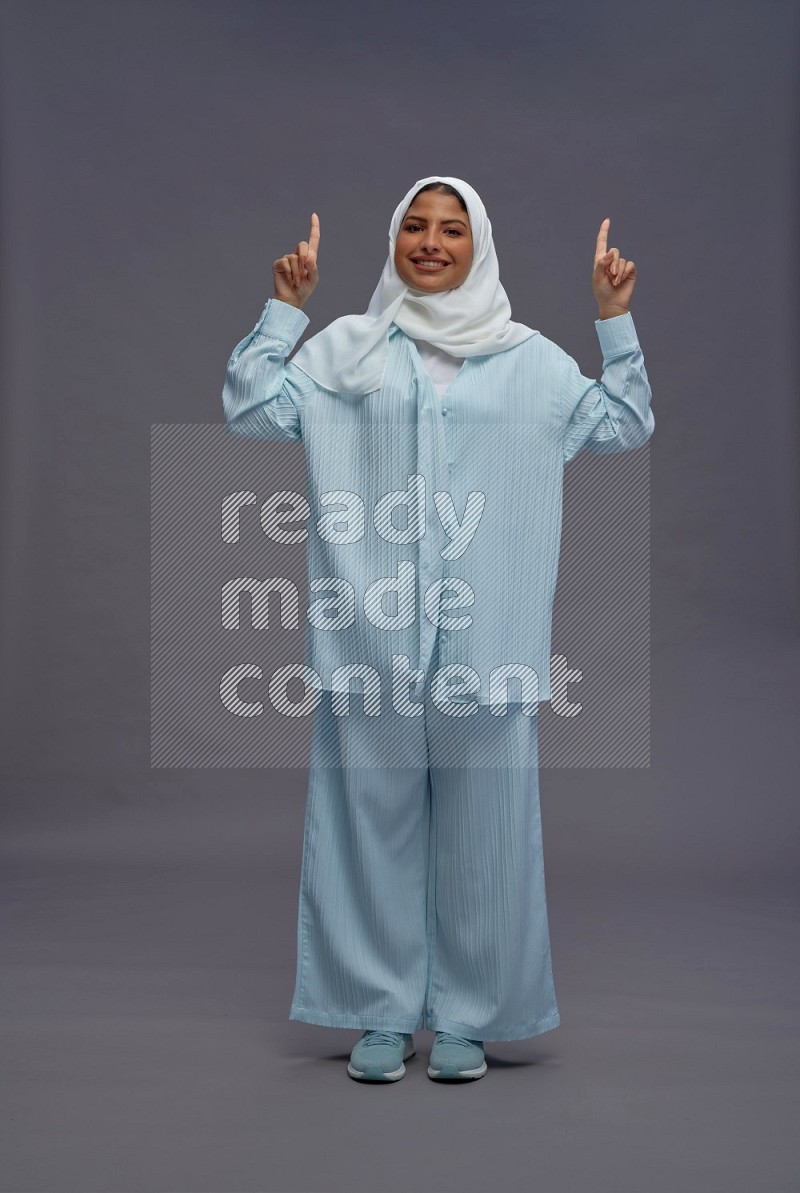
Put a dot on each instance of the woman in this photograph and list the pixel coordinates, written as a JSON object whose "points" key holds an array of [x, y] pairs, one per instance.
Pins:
{"points": [[422, 899]]}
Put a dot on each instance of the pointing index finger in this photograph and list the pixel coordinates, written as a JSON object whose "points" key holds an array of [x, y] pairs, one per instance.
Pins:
{"points": [[313, 240], [602, 238]]}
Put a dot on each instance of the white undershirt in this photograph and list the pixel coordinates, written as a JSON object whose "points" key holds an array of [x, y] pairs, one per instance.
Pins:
{"points": [[441, 366]]}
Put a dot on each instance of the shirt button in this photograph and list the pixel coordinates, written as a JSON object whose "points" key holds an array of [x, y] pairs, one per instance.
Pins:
{"points": [[444, 410]]}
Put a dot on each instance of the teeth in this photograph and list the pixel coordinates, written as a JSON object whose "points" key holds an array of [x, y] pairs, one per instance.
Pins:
{"points": [[431, 264]]}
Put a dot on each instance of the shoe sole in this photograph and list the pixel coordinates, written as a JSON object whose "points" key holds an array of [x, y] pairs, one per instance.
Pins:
{"points": [[453, 1074], [379, 1074]]}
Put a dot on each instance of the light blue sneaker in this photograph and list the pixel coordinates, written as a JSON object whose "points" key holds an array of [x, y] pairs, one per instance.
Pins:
{"points": [[456, 1058], [379, 1056]]}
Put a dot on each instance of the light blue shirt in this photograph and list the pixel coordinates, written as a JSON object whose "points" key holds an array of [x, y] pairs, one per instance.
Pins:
{"points": [[492, 447]]}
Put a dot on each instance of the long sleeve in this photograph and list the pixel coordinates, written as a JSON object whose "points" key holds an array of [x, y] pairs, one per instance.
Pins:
{"points": [[262, 395], [613, 414]]}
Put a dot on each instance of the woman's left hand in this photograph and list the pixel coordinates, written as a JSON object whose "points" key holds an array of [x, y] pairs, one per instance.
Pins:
{"points": [[613, 278]]}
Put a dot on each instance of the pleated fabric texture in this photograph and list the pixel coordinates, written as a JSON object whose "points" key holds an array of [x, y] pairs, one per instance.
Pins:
{"points": [[422, 894], [501, 432]]}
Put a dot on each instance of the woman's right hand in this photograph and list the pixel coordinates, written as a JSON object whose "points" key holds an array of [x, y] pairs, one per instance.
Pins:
{"points": [[295, 275]]}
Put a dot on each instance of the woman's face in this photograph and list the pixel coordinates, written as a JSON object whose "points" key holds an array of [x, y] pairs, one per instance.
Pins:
{"points": [[433, 250]]}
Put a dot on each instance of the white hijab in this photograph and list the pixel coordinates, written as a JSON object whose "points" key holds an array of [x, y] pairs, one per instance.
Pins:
{"points": [[349, 355]]}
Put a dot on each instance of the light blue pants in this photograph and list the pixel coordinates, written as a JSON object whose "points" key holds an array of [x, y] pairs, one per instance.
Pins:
{"points": [[422, 892]]}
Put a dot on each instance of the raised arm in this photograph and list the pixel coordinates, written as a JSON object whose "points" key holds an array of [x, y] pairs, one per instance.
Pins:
{"points": [[262, 395], [612, 414]]}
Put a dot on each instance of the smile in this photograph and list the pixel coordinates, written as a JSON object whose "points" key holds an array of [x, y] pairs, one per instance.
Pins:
{"points": [[423, 264]]}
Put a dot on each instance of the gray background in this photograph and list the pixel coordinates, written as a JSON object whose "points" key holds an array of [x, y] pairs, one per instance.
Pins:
{"points": [[155, 159]]}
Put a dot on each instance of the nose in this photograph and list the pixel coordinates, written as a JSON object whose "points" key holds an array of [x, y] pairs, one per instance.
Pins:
{"points": [[431, 242]]}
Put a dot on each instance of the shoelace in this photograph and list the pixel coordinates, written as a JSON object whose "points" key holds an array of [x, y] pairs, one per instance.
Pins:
{"points": [[445, 1037], [383, 1037]]}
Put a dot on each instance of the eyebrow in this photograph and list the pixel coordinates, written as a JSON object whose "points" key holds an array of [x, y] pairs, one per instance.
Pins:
{"points": [[421, 219]]}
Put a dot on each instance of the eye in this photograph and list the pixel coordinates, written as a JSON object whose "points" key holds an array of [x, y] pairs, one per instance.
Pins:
{"points": [[455, 231], [411, 227]]}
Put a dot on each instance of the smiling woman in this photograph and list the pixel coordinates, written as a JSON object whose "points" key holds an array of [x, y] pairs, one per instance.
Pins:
{"points": [[460, 307], [434, 245], [422, 896]]}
